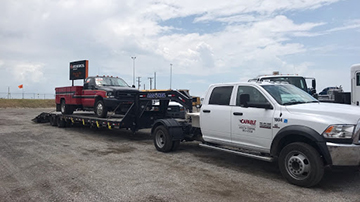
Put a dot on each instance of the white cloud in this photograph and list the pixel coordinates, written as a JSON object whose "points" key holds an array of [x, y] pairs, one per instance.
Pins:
{"points": [[352, 24], [28, 72], [254, 34]]}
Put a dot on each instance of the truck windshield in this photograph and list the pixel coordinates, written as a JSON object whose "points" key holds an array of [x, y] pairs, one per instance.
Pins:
{"points": [[296, 81], [288, 94], [110, 81]]}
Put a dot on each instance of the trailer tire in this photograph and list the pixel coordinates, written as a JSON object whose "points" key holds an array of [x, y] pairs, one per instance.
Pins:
{"points": [[100, 109], [66, 109], [60, 122], [162, 139], [301, 164], [52, 120]]}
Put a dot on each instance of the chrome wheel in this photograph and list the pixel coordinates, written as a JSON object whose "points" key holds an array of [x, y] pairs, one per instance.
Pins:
{"points": [[63, 107], [160, 138], [297, 165], [99, 108]]}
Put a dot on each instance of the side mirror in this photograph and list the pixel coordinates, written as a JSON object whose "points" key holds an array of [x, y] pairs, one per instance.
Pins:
{"points": [[313, 82], [244, 99], [267, 106], [261, 105]]}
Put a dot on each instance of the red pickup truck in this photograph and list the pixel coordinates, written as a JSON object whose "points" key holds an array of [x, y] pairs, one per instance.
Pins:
{"points": [[100, 94]]}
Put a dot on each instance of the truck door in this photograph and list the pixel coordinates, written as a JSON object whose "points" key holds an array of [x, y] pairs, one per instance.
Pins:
{"points": [[215, 115], [252, 123], [88, 97]]}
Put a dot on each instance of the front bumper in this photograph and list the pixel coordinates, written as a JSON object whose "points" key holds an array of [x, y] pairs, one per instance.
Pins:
{"points": [[113, 103], [344, 154]]}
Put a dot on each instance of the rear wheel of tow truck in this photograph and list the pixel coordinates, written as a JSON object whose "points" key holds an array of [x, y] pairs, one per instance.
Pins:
{"points": [[52, 120], [301, 164], [162, 139], [100, 109], [65, 109], [60, 122]]}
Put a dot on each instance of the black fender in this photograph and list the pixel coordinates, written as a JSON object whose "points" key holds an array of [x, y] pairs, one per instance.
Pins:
{"points": [[300, 133], [174, 127]]}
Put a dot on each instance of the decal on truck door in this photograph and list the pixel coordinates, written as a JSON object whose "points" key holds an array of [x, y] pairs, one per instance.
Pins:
{"points": [[265, 125], [276, 126], [247, 126]]}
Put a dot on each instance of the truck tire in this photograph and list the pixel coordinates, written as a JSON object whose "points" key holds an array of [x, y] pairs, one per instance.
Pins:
{"points": [[100, 109], [162, 139], [301, 164], [65, 109]]}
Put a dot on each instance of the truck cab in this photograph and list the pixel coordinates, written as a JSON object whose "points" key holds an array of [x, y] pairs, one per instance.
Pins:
{"points": [[296, 80]]}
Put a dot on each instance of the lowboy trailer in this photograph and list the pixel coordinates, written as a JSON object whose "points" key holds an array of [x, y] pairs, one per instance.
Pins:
{"points": [[141, 113]]}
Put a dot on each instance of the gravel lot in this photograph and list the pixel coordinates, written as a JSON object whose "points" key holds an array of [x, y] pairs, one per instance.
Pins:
{"points": [[39, 162]]}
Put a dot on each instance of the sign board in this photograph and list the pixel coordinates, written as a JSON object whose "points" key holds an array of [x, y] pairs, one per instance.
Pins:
{"points": [[79, 69]]}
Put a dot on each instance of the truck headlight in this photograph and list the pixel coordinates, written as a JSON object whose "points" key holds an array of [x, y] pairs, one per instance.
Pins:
{"points": [[110, 94], [343, 131]]}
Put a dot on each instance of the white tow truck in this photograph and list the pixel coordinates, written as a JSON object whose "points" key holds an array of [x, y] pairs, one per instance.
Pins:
{"points": [[272, 122]]}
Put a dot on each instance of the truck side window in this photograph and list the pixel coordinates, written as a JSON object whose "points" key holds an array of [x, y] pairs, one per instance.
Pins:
{"points": [[255, 96], [357, 79], [221, 95], [89, 83]]}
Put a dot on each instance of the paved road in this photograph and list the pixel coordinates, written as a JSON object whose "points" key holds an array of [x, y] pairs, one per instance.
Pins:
{"points": [[39, 162]]}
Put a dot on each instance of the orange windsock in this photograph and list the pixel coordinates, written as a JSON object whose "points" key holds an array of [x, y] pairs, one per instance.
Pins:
{"points": [[21, 86]]}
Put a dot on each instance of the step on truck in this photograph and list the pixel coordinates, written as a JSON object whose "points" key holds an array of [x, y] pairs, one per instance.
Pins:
{"points": [[271, 122]]}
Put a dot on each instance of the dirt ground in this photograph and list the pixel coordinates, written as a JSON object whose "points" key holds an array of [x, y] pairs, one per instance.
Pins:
{"points": [[39, 162]]}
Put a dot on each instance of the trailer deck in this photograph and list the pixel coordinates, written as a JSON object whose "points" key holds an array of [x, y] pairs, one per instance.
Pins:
{"points": [[140, 114]]}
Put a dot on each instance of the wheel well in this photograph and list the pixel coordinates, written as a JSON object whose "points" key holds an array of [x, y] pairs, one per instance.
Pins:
{"points": [[296, 138], [97, 98], [62, 100], [156, 125]]}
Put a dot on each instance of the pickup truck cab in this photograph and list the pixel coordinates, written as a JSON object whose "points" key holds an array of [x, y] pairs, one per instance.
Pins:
{"points": [[296, 80], [270, 121], [100, 94]]}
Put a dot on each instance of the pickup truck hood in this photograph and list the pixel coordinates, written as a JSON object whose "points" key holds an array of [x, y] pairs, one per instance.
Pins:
{"points": [[118, 88], [346, 113]]}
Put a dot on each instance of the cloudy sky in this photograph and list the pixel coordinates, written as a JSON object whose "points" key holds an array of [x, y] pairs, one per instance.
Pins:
{"points": [[207, 41]]}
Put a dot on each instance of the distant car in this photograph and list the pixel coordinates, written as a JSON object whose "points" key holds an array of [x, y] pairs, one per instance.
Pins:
{"points": [[174, 110]]}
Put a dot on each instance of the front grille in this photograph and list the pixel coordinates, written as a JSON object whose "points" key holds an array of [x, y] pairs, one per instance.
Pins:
{"points": [[122, 95]]}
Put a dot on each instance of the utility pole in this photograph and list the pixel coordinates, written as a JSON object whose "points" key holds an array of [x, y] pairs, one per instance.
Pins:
{"points": [[133, 58], [150, 78], [155, 80], [9, 92], [170, 75], [139, 82]]}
